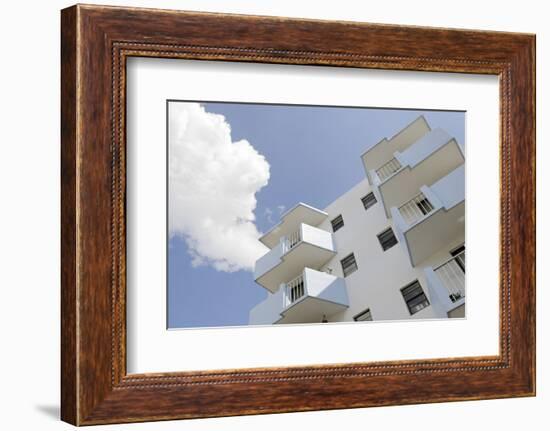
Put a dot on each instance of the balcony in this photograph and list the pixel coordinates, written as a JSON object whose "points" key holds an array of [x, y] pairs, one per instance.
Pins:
{"points": [[447, 285], [430, 158], [307, 246], [388, 169], [432, 218], [379, 154], [414, 210], [290, 221], [307, 298]]}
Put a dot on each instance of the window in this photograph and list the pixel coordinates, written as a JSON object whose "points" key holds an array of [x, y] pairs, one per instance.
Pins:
{"points": [[363, 316], [337, 223], [424, 205], [368, 200], [414, 297], [387, 239], [349, 265], [460, 257]]}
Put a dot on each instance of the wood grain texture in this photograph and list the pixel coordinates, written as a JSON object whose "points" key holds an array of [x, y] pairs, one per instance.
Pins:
{"points": [[96, 41]]}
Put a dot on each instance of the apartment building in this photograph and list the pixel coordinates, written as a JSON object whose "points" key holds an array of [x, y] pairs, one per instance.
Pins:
{"points": [[391, 248]]}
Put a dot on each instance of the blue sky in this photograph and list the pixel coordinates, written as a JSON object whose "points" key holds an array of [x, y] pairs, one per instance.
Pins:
{"points": [[314, 156]]}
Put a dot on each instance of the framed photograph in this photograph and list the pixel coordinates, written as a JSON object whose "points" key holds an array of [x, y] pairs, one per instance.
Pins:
{"points": [[266, 215]]}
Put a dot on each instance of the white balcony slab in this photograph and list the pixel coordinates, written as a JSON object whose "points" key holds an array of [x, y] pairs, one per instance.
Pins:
{"points": [[313, 249]]}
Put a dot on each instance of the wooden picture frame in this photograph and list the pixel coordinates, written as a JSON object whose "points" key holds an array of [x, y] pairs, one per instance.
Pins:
{"points": [[95, 43]]}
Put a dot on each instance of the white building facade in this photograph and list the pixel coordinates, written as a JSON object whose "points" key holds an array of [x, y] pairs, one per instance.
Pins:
{"points": [[391, 248]]}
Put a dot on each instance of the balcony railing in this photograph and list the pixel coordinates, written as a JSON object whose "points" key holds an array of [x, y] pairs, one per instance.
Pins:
{"points": [[415, 209], [294, 290], [452, 276], [388, 169], [291, 241]]}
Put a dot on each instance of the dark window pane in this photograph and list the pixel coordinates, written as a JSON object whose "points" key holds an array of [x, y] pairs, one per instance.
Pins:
{"points": [[387, 239], [368, 200], [363, 316], [337, 223], [459, 254], [349, 264], [415, 297]]}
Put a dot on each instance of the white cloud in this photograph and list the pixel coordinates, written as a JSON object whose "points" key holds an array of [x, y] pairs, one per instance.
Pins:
{"points": [[269, 215], [212, 184]]}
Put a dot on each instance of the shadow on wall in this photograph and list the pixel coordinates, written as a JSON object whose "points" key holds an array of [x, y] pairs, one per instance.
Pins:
{"points": [[52, 411]]}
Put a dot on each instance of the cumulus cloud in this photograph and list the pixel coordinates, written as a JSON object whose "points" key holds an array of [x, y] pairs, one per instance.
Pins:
{"points": [[212, 186]]}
